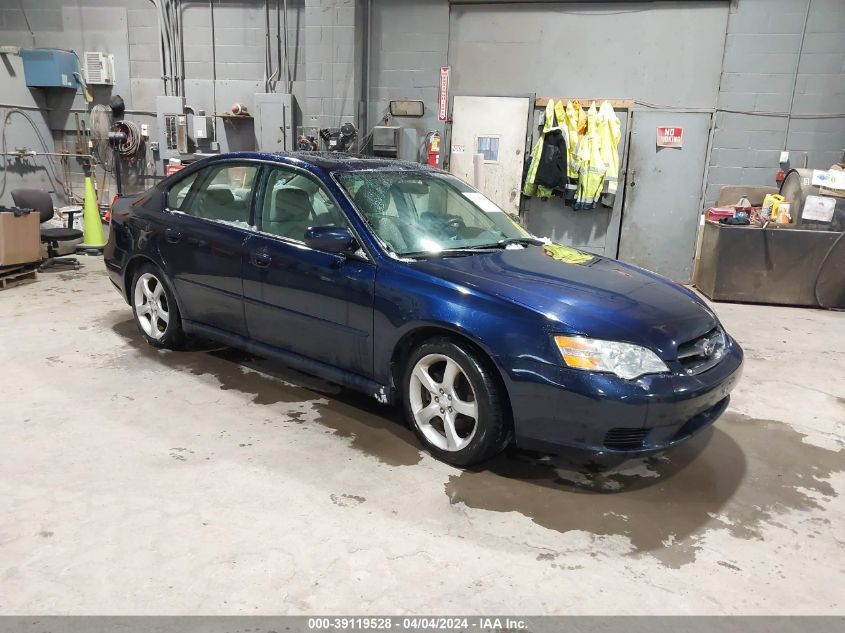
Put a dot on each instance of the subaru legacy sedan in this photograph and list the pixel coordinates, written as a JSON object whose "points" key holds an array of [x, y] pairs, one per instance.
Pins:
{"points": [[405, 283]]}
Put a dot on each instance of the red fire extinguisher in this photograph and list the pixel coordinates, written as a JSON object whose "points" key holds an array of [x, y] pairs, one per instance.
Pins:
{"points": [[433, 146]]}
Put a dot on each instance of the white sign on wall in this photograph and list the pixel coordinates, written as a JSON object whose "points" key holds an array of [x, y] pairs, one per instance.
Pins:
{"points": [[443, 99]]}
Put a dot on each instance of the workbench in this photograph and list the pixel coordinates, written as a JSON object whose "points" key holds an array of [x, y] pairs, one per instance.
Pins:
{"points": [[774, 265]]}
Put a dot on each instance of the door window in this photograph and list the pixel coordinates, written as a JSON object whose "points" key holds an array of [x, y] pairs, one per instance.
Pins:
{"points": [[293, 203], [179, 192], [489, 147], [224, 194]]}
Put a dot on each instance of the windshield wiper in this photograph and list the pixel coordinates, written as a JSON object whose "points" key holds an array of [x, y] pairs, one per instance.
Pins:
{"points": [[526, 241], [452, 252]]}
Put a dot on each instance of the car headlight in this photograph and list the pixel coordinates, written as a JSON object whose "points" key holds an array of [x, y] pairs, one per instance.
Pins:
{"points": [[623, 359]]}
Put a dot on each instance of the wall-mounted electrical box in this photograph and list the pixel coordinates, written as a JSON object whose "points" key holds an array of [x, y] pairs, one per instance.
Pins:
{"points": [[49, 68], [99, 68], [172, 127], [386, 140], [274, 122], [203, 128]]}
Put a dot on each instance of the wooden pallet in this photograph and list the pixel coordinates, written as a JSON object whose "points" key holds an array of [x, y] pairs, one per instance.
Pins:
{"points": [[16, 275]]}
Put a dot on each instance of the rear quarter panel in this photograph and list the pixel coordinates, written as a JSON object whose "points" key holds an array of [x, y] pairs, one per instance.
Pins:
{"points": [[135, 223]]}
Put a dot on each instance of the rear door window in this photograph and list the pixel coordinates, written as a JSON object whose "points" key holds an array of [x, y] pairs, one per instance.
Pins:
{"points": [[179, 192], [224, 194]]}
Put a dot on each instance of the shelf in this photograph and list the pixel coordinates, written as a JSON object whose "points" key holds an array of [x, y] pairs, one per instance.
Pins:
{"points": [[617, 104], [228, 116]]}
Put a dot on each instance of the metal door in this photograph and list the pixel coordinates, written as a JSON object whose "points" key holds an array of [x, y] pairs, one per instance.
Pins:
{"points": [[593, 230], [497, 128], [316, 304], [312, 303], [273, 122], [662, 206]]}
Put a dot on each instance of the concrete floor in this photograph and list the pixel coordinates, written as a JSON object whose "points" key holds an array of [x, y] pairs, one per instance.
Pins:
{"points": [[135, 481]]}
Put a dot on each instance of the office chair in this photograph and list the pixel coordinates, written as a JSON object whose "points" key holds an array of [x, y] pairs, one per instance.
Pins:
{"points": [[42, 202]]}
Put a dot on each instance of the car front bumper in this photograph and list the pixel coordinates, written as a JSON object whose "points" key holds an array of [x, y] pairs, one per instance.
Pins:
{"points": [[556, 408]]}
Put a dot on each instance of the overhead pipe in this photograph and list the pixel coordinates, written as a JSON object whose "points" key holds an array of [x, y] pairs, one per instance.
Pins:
{"points": [[167, 34], [213, 68], [161, 48], [267, 63], [289, 78], [278, 74], [180, 56]]}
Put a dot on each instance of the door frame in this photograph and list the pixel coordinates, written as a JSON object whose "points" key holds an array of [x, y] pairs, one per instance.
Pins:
{"points": [[614, 224], [708, 149], [447, 136]]}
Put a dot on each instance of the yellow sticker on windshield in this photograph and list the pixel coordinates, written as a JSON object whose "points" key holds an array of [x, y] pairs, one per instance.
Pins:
{"points": [[567, 254]]}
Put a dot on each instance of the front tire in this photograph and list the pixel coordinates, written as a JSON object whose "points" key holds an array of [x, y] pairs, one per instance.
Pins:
{"points": [[455, 403], [154, 306]]}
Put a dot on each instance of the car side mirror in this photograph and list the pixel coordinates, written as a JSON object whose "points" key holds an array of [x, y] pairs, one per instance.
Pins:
{"points": [[515, 218], [331, 239]]}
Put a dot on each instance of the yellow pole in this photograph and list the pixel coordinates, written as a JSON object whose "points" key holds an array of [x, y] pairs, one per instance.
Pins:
{"points": [[92, 226]]}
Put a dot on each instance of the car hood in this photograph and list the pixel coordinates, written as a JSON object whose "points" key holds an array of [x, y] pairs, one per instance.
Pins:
{"points": [[602, 298]]}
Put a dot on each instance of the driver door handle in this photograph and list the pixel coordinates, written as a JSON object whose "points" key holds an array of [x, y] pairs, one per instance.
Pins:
{"points": [[172, 235], [260, 259]]}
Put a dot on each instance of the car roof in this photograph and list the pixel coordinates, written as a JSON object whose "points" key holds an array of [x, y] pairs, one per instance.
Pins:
{"points": [[331, 161]]}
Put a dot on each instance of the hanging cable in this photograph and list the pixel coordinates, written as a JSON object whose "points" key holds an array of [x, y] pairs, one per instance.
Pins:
{"points": [[26, 19], [821, 270], [54, 178]]}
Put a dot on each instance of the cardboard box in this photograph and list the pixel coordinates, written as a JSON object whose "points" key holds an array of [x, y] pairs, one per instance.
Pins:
{"points": [[20, 237]]}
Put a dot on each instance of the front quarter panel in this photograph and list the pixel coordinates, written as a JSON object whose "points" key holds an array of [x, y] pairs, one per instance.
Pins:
{"points": [[407, 300]]}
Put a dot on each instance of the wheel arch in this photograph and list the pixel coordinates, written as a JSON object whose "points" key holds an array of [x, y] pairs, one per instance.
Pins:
{"points": [[129, 274], [424, 332]]}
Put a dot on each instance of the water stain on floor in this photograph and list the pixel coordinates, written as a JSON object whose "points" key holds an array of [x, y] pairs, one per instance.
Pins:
{"points": [[738, 476], [372, 428]]}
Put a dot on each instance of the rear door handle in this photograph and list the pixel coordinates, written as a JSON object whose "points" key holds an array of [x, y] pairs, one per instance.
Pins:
{"points": [[173, 236], [260, 259]]}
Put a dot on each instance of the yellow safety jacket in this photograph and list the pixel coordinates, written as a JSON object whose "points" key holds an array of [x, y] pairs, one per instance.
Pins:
{"points": [[573, 115], [553, 116], [609, 133], [592, 169]]}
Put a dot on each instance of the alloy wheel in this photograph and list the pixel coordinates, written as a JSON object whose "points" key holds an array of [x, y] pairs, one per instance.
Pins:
{"points": [[443, 402], [151, 305]]}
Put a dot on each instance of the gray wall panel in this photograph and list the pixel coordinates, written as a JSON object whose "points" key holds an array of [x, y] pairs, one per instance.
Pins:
{"points": [[665, 52], [409, 46], [761, 58]]}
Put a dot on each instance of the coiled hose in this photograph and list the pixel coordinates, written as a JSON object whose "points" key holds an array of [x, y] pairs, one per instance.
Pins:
{"points": [[129, 149]]}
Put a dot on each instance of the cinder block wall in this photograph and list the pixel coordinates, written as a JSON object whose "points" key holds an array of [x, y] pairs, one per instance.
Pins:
{"points": [[760, 64], [332, 74], [409, 43], [410, 40], [129, 30]]}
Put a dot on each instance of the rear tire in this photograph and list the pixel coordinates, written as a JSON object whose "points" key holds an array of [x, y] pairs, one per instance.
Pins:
{"points": [[455, 403], [155, 309]]}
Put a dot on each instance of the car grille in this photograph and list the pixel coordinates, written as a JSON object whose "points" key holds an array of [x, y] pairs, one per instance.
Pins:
{"points": [[625, 439], [700, 354]]}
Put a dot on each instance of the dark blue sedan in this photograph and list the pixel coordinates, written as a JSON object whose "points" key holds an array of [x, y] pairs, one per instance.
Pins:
{"points": [[407, 284]]}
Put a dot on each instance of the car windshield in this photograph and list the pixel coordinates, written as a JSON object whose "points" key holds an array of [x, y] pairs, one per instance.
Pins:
{"points": [[418, 213]]}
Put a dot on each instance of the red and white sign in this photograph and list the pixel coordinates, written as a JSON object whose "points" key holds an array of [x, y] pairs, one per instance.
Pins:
{"points": [[443, 99], [670, 137]]}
